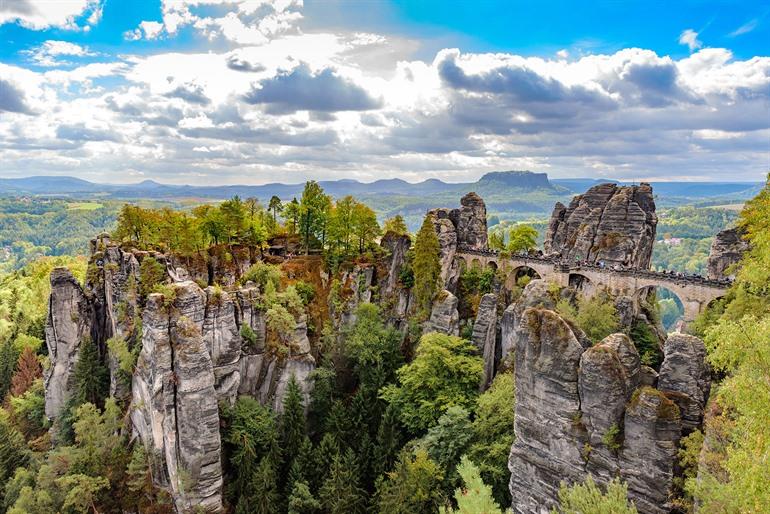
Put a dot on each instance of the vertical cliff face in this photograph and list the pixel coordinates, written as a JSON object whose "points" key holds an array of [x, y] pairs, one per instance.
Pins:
{"points": [[174, 403], [727, 249], [609, 223], [485, 331], [444, 317], [471, 222], [589, 410], [69, 323]]}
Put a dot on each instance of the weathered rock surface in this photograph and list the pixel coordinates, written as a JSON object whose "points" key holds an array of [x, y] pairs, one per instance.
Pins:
{"points": [[610, 223], [588, 410], [223, 340], [355, 289], [485, 336], [652, 429], [535, 294], [447, 239], [727, 249], [68, 325], [471, 222], [444, 317], [397, 248], [685, 373], [174, 406]]}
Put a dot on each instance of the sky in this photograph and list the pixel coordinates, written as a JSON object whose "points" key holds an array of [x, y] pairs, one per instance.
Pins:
{"points": [[256, 91]]}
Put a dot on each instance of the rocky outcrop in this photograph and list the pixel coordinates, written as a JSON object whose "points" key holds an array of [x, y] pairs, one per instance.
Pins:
{"points": [[397, 247], [471, 222], [355, 288], [174, 402], [651, 433], [485, 336], [685, 377], [609, 223], [591, 410], [727, 249], [221, 334], [447, 240], [444, 316], [535, 294], [68, 325]]}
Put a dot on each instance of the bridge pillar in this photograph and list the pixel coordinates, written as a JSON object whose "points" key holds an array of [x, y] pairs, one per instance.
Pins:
{"points": [[691, 310]]}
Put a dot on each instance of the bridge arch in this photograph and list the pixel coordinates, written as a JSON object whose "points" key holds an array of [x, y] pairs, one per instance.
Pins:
{"points": [[475, 263], [581, 282], [512, 279], [668, 304], [492, 264]]}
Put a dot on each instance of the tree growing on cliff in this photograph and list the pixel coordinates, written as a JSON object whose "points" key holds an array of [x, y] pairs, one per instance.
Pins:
{"points": [[395, 225], [475, 496], [588, 497], [426, 265], [521, 238], [314, 209]]}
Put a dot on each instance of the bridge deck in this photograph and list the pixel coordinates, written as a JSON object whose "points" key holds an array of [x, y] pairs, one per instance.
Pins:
{"points": [[566, 267]]}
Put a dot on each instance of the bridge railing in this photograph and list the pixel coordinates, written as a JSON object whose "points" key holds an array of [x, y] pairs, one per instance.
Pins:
{"points": [[571, 267]]}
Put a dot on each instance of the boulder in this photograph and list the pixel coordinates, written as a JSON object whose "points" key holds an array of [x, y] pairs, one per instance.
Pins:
{"points": [[684, 373], [68, 325], [727, 249], [444, 316], [609, 223], [485, 336]]}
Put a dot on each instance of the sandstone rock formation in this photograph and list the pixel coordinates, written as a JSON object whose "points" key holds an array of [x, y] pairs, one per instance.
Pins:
{"points": [[174, 405], [447, 239], [535, 294], [610, 223], [684, 373], [471, 222], [485, 336], [591, 410], [727, 249], [68, 324], [444, 317]]}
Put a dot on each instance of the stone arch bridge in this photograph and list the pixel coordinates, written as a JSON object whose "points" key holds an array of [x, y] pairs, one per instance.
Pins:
{"points": [[695, 292]]}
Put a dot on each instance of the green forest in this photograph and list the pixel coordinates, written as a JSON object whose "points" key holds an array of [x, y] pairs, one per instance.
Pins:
{"points": [[394, 424]]}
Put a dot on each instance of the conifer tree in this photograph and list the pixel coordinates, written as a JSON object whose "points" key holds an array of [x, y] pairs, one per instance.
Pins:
{"points": [[338, 424], [414, 486], [293, 429], [301, 500], [426, 265], [27, 371], [13, 449], [8, 357], [340, 493], [90, 375], [389, 441], [325, 454], [263, 491]]}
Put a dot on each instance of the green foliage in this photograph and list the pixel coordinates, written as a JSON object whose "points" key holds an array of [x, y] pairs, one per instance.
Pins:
{"points": [[395, 225], [426, 266], [596, 316], [340, 493], [646, 343], [476, 280], [314, 209], [413, 487], [28, 410], [118, 347], [262, 496], [91, 377], [151, 274], [292, 428], [13, 450], [305, 291], [587, 497], [475, 497], [261, 273], [301, 500], [373, 348], [493, 435], [8, 358], [445, 372], [447, 441], [248, 335], [521, 238], [613, 438]]}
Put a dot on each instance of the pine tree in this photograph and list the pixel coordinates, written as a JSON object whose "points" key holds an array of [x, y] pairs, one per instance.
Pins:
{"points": [[325, 454], [27, 371], [338, 424], [301, 500], [91, 376], [414, 486], [476, 496], [293, 428], [426, 265], [304, 466], [8, 358], [13, 449], [263, 495], [340, 493], [389, 441]]}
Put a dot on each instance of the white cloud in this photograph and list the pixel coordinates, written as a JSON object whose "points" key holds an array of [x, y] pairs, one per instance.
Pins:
{"points": [[251, 22], [690, 38], [44, 14], [747, 27], [48, 52]]}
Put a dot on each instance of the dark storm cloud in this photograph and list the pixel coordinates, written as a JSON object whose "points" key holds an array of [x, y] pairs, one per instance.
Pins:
{"points": [[11, 99], [301, 89]]}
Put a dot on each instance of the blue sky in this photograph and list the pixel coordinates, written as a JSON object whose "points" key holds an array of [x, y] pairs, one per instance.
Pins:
{"points": [[250, 91]]}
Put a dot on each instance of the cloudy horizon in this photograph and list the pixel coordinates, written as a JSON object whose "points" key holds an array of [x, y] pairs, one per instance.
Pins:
{"points": [[209, 92]]}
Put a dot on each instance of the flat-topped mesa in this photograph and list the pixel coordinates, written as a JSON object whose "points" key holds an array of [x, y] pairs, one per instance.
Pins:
{"points": [[608, 223], [727, 249]]}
